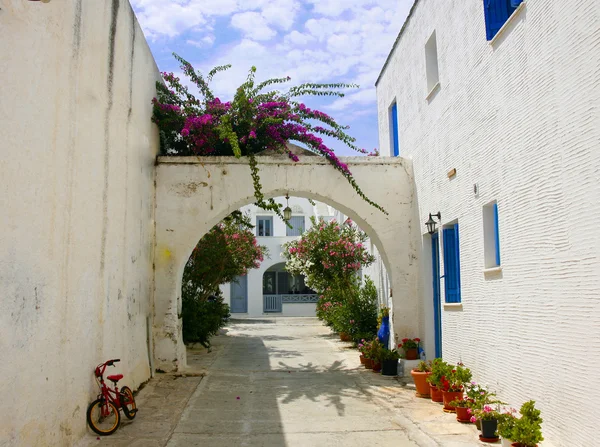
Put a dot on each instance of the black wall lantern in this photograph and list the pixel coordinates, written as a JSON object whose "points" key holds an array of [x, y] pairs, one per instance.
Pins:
{"points": [[431, 224]]}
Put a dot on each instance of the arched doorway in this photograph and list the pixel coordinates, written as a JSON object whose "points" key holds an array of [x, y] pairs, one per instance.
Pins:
{"points": [[194, 193]]}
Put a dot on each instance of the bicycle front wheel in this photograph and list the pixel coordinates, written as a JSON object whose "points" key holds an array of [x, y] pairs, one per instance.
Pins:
{"points": [[103, 417], [128, 402]]}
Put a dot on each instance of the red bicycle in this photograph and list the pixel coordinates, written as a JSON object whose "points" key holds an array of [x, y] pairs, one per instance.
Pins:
{"points": [[103, 414]]}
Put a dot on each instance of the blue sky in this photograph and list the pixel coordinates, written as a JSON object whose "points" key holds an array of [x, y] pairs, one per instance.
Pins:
{"points": [[308, 40]]}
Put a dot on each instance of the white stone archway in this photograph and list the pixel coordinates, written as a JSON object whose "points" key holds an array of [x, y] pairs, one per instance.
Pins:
{"points": [[195, 193]]}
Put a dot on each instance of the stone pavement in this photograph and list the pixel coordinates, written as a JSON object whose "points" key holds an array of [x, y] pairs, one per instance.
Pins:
{"points": [[284, 382]]}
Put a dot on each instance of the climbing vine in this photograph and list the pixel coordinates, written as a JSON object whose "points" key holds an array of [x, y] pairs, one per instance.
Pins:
{"points": [[257, 119]]}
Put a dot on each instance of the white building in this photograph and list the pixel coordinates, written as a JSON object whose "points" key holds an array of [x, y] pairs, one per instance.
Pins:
{"points": [[497, 102], [269, 289]]}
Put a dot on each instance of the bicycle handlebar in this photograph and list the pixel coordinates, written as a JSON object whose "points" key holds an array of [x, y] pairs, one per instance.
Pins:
{"points": [[110, 362]]}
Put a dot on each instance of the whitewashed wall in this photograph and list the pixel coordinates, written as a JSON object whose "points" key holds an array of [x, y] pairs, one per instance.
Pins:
{"points": [[77, 227], [273, 244], [521, 119]]}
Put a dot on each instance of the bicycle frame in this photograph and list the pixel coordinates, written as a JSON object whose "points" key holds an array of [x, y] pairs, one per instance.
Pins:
{"points": [[106, 393]]}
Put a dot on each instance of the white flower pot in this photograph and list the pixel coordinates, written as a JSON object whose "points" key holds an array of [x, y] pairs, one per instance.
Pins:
{"points": [[506, 442]]}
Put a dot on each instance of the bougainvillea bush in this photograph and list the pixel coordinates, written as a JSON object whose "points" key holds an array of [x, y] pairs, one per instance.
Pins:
{"points": [[329, 255], [228, 250], [258, 118]]}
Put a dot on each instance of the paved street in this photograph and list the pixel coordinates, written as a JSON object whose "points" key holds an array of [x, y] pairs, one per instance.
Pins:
{"points": [[284, 382]]}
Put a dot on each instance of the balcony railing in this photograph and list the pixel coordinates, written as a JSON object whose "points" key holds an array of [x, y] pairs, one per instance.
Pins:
{"points": [[274, 303]]}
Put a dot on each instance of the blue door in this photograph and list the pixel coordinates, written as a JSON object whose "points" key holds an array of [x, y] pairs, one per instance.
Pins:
{"points": [[239, 295], [437, 306]]}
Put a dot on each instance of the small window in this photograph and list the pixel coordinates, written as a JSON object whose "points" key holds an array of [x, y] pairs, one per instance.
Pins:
{"points": [[297, 223], [394, 140], [264, 225], [431, 61], [497, 13], [491, 235], [451, 264]]}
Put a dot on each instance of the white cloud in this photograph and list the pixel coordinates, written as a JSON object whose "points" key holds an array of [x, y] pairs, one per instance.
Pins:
{"points": [[253, 25], [309, 40]]}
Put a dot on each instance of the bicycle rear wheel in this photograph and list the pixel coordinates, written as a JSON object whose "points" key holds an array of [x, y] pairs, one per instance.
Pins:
{"points": [[128, 403], [103, 422]]}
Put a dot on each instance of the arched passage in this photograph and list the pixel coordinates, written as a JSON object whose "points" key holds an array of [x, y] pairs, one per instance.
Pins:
{"points": [[195, 193]]}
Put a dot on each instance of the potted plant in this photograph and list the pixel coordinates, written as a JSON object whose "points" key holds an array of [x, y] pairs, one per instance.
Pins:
{"points": [[527, 431], [376, 349], [367, 351], [477, 397], [362, 348], [463, 412], [389, 362], [453, 385], [410, 347], [439, 369], [506, 424], [420, 375], [489, 423]]}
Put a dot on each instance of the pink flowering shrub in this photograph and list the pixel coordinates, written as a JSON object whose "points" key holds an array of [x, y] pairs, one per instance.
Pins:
{"points": [[228, 250], [329, 255], [254, 121]]}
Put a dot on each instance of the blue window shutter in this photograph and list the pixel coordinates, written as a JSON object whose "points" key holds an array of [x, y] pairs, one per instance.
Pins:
{"points": [[395, 129], [451, 265], [496, 234], [496, 13]]}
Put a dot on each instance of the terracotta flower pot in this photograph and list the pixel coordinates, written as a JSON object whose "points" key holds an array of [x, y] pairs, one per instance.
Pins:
{"points": [[411, 354], [376, 366], [368, 363], [449, 396], [436, 394], [362, 359], [420, 379], [462, 414], [345, 337]]}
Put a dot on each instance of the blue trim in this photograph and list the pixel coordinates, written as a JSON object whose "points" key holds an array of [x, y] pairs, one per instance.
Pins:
{"points": [[496, 234], [394, 118], [496, 13], [437, 305]]}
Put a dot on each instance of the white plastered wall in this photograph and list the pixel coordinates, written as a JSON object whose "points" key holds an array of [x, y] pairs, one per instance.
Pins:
{"points": [[519, 117], [77, 173]]}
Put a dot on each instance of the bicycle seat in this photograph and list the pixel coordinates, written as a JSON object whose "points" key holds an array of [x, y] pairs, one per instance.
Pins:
{"points": [[115, 378]]}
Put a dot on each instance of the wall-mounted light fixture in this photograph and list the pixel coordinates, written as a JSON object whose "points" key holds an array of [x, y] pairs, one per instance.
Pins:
{"points": [[431, 224], [287, 211]]}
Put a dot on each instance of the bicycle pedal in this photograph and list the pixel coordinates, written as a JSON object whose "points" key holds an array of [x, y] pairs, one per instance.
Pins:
{"points": [[134, 411]]}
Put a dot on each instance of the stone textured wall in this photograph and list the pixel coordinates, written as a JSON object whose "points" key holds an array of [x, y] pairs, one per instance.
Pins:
{"points": [[77, 215], [519, 117]]}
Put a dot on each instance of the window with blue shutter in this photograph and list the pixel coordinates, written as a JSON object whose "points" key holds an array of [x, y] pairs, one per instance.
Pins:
{"points": [[497, 13], [297, 223], [496, 234], [451, 264], [264, 225], [394, 129]]}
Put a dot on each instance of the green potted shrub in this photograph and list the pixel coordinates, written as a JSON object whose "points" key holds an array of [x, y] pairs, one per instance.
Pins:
{"points": [[527, 430], [420, 375], [506, 424], [439, 369], [389, 362]]}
